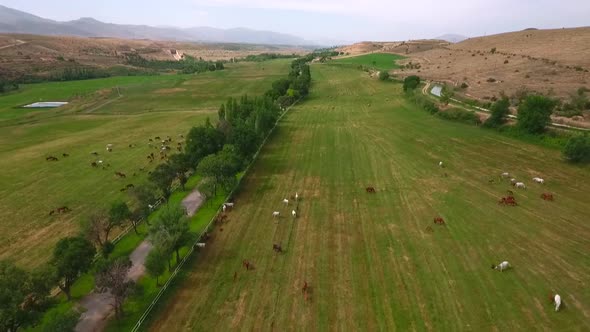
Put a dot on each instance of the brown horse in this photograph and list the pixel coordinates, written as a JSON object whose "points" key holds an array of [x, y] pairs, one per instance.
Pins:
{"points": [[370, 190], [439, 221], [277, 248], [547, 196]]}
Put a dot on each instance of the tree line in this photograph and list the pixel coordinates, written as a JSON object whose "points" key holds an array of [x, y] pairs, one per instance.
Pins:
{"points": [[188, 64], [534, 116], [216, 152]]}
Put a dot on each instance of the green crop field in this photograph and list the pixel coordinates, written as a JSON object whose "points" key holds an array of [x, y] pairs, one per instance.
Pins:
{"points": [[377, 261], [381, 61], [119, 111]]}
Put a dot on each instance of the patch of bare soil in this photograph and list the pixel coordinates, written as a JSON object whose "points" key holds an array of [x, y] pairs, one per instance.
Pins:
{"points": [[192, 202]]}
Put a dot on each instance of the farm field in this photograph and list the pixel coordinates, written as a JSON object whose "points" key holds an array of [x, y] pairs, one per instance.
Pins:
{"points": [[381, 61], [377, 261], [151, 106]]}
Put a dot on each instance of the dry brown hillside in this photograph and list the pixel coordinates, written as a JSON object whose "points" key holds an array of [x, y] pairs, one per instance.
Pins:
{"points": [[555, 62], [406, 47], [33, 54]]}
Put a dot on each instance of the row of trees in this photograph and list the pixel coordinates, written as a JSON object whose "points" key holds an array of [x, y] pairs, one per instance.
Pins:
{"points": [[534, 115], [218, 153], [188, 65]]}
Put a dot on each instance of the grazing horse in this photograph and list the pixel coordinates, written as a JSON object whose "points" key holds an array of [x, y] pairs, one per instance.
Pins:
{"points": [[370, 190], [248, 265], [276, 214], [296, 196], [51, 158], [502, 266], [557, 300], [508, 201], [294, 214], [65, 155], [120, 174], [505, 174], [520, 185], [63, 209], [439, 221], [547, 196], [277, 248], [286, 201]]}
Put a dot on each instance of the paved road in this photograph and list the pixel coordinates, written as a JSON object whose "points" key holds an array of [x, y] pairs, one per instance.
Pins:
{"points": [[98, 308]]}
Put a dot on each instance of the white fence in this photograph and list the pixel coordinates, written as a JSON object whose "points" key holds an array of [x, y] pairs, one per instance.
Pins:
{"points": [[146, 313]]}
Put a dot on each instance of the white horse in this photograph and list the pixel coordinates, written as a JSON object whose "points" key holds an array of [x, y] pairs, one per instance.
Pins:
{"points": [[286, 201], [502, 266], [276, 214], [200, 245], [296, 196], [557, 301], [505, 174], [440, 164], [229, 205], [294, 214], [539, 180], [224, 207], [520, 185]]}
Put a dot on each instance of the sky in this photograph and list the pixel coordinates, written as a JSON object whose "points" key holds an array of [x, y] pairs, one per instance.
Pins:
{"points": [[328, 20]]}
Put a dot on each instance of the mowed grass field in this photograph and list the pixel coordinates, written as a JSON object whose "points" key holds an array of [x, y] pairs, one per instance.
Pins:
{"points": [[152, 106], [370, 260], [381, 61]]}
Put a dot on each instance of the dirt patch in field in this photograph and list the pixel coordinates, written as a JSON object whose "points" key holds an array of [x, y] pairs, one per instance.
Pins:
{"points": [[192, 202], [169, 91]]}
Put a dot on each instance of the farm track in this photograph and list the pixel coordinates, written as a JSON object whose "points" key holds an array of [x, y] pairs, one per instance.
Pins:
{"points": [[370, 259]]}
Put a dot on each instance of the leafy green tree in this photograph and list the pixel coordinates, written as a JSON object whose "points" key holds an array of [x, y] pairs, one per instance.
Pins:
{"points": [[534, 114], [142, 197], [170, 231], [181, 164], [119, 214], [577, 149], [57, 320], [112, 278], [245, 140], [446, 96], [23, 297], [72, 256], [411, 83], [162, 177], [155, 264], [203, 141], [218, 167], [383, 75], [500, 110]]}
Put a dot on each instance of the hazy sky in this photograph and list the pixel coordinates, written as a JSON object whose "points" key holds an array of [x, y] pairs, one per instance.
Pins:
{"points": [[348, 20]]}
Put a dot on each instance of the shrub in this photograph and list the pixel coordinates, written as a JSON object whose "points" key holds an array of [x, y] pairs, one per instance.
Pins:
{"points": [[464, 85], [460, 115], [384, 75], [411, 82], [534, 113], [491, 80], [506, 61], [499, 110], [493, 50], [577, 149]]}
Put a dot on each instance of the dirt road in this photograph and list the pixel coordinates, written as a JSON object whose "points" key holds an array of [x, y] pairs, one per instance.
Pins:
{"points": [[192, 202], [98, 307]]}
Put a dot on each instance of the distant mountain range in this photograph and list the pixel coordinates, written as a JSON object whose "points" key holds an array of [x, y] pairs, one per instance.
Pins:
{"points": [[452, 38], [15, 21]]}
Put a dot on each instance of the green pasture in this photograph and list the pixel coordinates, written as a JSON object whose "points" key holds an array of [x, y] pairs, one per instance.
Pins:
{"points": [[380, 61], [377, 261], [142, 108]]}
